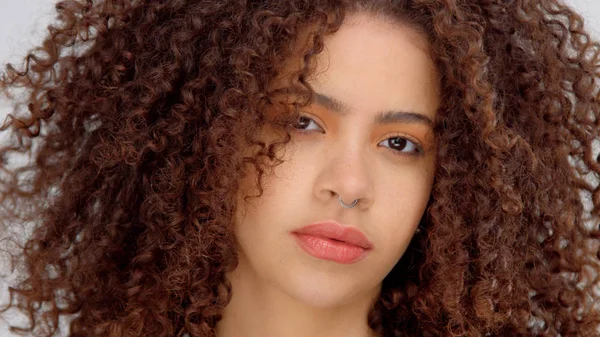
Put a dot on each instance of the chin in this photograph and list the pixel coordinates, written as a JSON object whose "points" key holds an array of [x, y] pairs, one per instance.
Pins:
{"points": [[324, 288]]}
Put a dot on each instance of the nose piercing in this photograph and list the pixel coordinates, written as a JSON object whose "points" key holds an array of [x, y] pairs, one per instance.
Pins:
{"points": [[347, 206]]}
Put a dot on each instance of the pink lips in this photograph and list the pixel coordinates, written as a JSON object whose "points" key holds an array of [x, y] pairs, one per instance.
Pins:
{"points": [[334, 242]]}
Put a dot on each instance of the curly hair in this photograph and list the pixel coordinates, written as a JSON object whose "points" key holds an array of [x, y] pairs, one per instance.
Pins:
{"points": [[133, 113]]}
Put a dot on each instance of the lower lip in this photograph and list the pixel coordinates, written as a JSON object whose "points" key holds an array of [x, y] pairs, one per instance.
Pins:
{"points": [[329, 249]]}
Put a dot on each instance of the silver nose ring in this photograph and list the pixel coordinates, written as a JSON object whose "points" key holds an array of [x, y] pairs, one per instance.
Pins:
{"points": [[347, 206]]}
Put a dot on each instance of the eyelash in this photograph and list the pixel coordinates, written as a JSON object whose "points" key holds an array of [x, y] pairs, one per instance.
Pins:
{"points": [[418, 151]]}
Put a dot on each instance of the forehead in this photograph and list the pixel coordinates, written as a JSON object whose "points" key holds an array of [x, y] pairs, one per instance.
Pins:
{"points": [[369, 64], [375, 65]]}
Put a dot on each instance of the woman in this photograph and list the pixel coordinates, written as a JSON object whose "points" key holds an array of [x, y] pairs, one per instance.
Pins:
{"points": [[306, 168]]}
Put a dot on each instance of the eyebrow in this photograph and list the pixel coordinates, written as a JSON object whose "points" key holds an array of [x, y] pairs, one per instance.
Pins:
{"points": [[383, 117]]}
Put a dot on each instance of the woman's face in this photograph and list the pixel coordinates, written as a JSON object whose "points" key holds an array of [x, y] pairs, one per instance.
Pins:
{"points": [[368, 136]]}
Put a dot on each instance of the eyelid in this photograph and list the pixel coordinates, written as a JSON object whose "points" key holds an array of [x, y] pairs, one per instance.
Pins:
{"points": [[420, 149], [315, 119]]}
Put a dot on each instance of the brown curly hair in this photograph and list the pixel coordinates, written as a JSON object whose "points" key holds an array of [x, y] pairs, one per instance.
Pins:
{"points": [[134, 113]]}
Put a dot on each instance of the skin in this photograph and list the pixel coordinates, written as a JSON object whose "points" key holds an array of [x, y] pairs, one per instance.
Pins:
{"points": [[371, 66]]}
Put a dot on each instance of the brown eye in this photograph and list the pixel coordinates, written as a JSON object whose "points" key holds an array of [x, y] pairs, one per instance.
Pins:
{"points": [[401, 144], [398, 143], [307, 124], [302, 123]]}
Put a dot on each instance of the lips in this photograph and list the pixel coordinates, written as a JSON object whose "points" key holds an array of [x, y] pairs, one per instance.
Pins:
{"points": [[335, 231]]}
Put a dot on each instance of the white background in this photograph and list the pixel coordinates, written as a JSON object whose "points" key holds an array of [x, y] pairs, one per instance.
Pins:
{"points": [[23, 24]]}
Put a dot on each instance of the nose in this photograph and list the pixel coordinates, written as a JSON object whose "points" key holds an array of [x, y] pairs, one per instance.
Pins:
{"points": [[347, 175]]}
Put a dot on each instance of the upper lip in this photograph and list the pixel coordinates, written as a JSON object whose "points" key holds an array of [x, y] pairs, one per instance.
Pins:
{"points": [[334, 230]]}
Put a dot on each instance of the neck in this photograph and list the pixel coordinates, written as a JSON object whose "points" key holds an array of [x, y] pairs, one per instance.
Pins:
{"points": [[259, 309]]}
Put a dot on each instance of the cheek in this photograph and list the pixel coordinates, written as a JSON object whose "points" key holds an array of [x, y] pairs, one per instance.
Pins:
{"points": [[405, 198], [405, 208], [412, 183], [280, 187]]}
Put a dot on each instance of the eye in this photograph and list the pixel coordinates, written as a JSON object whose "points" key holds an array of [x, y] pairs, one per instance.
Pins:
{"points": [[403, 145], [306, 123]]}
